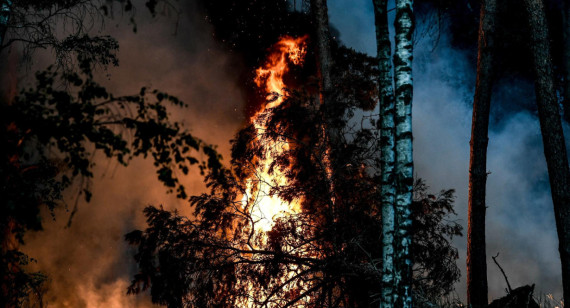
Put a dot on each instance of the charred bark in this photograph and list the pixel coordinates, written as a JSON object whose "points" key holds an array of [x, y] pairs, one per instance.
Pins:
{"points": [[404, 177], [319, 10], [387, 159], [552, 134], [476, 254], [332, 111]]}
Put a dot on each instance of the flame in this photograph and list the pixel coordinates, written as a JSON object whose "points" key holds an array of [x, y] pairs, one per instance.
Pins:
{"points": [[266, 208], [288, 51]]}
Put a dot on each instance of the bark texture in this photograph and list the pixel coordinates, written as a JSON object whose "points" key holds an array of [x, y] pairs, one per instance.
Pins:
{"points": [[566, 58], [476, 252], [5, 7], [404, 26], [320, 10], [552, 134], [387, 159], [325, 61]]}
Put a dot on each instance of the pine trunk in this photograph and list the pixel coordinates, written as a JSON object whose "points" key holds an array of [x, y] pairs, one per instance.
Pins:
{"points": [[566, 58], [404, 26], [476, 253], [387, 127], [5, 8], [324, 63], [324, 66], [552, 134]]}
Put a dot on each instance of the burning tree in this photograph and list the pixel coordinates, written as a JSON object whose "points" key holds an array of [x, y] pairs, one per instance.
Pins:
{"points": [[268, 234]]}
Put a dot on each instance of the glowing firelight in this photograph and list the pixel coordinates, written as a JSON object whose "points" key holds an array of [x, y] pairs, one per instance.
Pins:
{"points": [[266, 208], [288, 51]]}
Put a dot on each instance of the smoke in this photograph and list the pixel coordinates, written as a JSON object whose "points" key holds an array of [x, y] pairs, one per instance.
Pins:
{"points": [[89, 264], [520, 218]]}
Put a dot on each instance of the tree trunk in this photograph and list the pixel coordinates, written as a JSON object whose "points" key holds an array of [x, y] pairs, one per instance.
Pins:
{"points": [[404, 25], [324, 67], [5, 7], [324, 63], [476, 255], [552, 134], [387, 128], [566, 58]]}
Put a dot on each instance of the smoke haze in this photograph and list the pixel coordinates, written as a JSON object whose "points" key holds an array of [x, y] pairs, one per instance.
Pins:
{"points": [[520, 217], [90, 265]]}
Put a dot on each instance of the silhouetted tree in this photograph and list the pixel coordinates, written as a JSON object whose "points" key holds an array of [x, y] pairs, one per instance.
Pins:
{"points": [[476, 256], [552, 133], [49, 135], [315, 256], [566, 58]]}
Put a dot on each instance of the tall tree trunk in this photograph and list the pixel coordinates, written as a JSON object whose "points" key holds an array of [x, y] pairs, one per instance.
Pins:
{"points": [[566, 58], [552, 134], [387, 128], [324, 66], [476, 255], [404, 25], [321, 18], [5, 8]]}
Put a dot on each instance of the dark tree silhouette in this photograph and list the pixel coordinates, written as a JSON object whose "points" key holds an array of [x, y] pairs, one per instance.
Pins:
{"points": [[324, 254], [552, 133], [476, 255], [49, 135]]}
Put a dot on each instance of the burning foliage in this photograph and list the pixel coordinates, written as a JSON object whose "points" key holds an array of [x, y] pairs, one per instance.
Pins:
{"points": [[316, 247]]}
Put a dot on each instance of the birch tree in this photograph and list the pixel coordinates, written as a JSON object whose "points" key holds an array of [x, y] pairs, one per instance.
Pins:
{"points": [[404, 26], [476, 255], [552, 134], [387, 188]]}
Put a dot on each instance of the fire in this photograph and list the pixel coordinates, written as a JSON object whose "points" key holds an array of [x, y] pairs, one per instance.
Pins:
{"points": [[266, 207], [289, 51]]}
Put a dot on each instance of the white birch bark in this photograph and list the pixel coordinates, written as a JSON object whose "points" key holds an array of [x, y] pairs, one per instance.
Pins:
{"points": [[387, 127], [404, 26]]}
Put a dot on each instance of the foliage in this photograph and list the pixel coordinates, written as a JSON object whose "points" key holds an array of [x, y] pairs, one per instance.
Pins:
{"points": [[22, 286], [61, 25], [324, 254], [51, 134], [65, 27]]}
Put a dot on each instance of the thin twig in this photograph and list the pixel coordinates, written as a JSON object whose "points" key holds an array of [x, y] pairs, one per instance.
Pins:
{"points": [[502, 271]]}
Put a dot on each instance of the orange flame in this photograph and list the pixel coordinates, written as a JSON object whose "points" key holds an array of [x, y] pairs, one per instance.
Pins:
{"points": [[288, 50], [265, 208]]}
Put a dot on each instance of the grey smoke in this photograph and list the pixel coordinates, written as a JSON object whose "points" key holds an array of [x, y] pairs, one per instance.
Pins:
{"points": [[520, 218]]}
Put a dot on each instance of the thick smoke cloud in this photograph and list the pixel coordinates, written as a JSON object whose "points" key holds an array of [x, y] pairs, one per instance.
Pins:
{"points": [[520, 218], [89, 264]]}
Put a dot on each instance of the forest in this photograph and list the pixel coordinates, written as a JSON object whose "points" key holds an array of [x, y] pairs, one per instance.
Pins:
{"points": [[290, 153]]}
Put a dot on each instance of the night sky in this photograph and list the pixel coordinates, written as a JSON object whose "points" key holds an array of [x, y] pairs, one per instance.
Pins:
{"points": [[95, 271]]}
